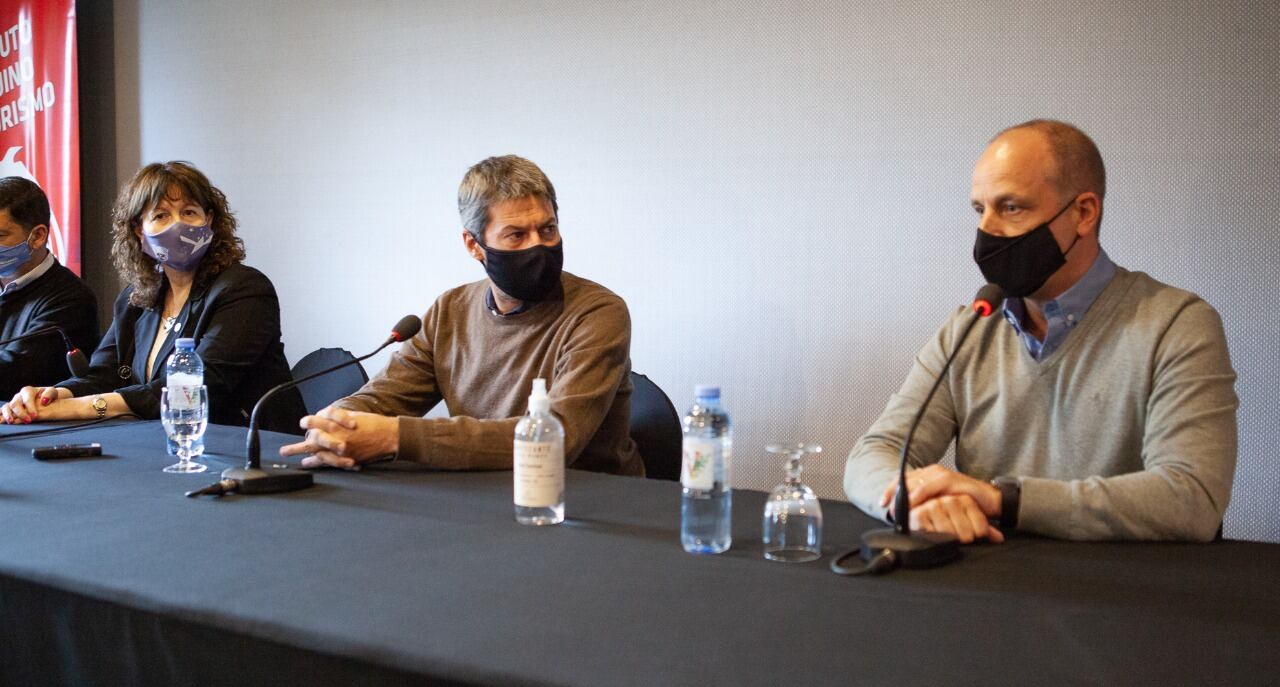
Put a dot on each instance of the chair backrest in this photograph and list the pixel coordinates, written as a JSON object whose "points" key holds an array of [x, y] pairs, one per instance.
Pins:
{"points": [[321, 391], [655, 427]]}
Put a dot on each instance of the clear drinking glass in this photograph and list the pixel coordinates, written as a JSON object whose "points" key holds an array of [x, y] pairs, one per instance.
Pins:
{"points": [[792, 516], [184, 411]]}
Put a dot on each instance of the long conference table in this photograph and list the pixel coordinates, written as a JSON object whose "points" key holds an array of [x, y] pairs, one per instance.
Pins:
{"points": [[402, 575]]}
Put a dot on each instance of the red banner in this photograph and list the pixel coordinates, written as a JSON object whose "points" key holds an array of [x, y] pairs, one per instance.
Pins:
{"points": [[39, 111]]}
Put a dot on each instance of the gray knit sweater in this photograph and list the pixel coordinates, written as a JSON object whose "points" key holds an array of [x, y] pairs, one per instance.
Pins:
{"points": [[1126, 431]]}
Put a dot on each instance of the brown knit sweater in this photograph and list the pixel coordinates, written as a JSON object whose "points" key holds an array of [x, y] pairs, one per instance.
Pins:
{"points": [[482, 365]]}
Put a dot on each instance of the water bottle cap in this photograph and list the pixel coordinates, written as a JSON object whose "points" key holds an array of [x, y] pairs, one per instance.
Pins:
{"points": [[185, 344], [706, 391]]}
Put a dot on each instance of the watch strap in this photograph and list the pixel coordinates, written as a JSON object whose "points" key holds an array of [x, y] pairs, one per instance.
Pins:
{"points": [[1010, 501]]}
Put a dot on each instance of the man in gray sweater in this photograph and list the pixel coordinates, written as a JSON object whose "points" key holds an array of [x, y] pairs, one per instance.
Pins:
{"points": [[482, 345], [1100, 406]]}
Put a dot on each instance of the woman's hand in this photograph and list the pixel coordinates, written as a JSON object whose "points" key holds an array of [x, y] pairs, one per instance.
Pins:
{"points": [[29, 404]]}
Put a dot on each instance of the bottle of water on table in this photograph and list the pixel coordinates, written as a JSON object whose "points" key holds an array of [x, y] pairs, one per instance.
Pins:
{"points": [[707, 504], [184, 370]]}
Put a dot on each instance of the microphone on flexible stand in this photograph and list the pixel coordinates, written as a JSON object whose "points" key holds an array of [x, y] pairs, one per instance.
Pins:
{"points": [[252, 478], [884, 549], [76, 361]]}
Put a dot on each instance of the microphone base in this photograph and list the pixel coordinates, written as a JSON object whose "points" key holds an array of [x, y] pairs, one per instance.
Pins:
{"points": [[912, 550], [259, 481]]}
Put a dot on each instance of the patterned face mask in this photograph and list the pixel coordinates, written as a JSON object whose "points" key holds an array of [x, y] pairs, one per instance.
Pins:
{"points": [[13, 257], [179, 246]]}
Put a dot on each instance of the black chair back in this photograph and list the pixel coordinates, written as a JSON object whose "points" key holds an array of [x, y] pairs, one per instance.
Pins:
{"points": [[321, 391], [655, 427]]}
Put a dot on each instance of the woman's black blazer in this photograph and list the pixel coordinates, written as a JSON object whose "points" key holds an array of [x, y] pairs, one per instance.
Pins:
{"points": [[235, 320]]}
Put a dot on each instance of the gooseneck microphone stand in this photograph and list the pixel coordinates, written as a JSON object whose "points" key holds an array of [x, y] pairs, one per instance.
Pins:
{"points": [[76, 362], [887, 548], [253, 478]]}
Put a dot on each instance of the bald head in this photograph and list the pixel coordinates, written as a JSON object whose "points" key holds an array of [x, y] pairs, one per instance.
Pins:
{"points": [[1038, 175], [1077, 164]]}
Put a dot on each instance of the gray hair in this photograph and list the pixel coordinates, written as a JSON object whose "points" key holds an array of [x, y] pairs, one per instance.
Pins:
{"points": [[494, 180]]}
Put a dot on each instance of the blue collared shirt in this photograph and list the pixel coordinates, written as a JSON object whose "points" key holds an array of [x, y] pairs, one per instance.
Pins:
{"points": [[1065, 312]]}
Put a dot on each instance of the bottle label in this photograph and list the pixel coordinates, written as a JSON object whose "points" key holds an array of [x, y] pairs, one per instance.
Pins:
{"points": [[184, 391], [539, 473], [698, 466]]}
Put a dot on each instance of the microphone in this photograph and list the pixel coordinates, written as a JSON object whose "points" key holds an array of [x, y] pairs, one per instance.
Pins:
{"points": [[884, 549], [76, 361], [252, 478]]}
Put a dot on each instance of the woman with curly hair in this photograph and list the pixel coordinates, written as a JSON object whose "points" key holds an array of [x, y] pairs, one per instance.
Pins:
{"points": [[176, 246]]}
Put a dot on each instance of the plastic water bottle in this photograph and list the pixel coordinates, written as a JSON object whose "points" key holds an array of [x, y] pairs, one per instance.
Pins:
{"points": [[539, 462], [707, 504], [184, 369]]}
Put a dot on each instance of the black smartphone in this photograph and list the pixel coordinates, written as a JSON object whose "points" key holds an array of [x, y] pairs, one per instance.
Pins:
{"points": [[66, 451]]}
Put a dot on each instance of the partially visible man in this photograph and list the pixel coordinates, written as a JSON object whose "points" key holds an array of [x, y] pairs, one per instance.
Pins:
{"points": [[482, 345], [37, 292], [1101, 406]]}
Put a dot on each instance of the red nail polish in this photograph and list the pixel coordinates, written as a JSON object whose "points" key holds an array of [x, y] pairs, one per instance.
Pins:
{"points": [[44, 401]]}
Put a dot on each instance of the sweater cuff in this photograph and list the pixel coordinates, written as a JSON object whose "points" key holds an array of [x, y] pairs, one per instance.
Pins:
{"points": [[1046, 507], [415, 439], [864, 484]]}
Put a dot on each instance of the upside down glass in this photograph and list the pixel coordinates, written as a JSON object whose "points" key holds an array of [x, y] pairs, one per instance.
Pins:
{"points": [[792, 515], [184, 412]]}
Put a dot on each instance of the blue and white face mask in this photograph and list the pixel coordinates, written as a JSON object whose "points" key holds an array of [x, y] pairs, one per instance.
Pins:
{"points": [[13, 257], [179, 246]]}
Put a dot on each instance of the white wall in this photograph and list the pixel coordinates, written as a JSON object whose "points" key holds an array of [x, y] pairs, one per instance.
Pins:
{"points": [[778, 190]]}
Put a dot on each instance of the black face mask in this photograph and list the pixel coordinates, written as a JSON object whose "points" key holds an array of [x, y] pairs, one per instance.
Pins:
{"points": [[528, 275], [1021, 264]]}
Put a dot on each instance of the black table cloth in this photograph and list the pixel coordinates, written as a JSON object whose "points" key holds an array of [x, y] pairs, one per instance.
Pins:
{"points": [[402, 575]]}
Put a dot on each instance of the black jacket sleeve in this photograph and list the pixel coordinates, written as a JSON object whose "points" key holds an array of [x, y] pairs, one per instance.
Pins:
{"points": [[103, 376], [240, 321]]}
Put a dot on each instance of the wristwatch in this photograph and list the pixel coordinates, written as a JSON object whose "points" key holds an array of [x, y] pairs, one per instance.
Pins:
{"points": [[100, 407], [1010, 500]]}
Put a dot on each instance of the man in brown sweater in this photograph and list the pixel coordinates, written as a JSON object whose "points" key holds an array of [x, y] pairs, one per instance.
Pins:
{"points": [[482, 345]]}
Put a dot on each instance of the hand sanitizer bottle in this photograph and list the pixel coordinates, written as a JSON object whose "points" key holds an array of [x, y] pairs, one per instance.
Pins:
{"points": [[539, 462]]}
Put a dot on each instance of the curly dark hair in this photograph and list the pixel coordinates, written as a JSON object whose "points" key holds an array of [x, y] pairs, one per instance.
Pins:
{"points": [[146, 189]]}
